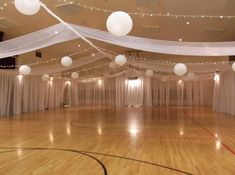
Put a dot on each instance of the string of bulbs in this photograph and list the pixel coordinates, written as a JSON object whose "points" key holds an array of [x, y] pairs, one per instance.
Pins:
{"points": [[66, 75], [164, 62], [115, 53], [93, 8], [47, 61], [141, 14]]}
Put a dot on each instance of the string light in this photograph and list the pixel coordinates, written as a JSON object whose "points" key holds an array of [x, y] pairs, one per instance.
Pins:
{"points": [[157, 62], [5, 4], [49, 60], [167, 14], [80, 71], [166, 62], [131, 66], [93, 8]]}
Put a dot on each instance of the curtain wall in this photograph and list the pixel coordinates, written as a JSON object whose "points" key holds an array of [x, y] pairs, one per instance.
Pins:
{"points": [[224, 94], [31, 94]]}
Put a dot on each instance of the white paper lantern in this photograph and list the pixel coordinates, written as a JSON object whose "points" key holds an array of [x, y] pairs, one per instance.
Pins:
{"points": [[112, 65], [149, 73], [119, 23], [233, 66], [45, 77], [75, 75], [27, 7], [191, 75], [180, 69], [24, 70], [120, 60], [66, 61]]}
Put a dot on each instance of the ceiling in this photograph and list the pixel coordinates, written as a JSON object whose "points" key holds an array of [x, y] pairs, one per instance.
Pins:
{"points": [[14, 24]]}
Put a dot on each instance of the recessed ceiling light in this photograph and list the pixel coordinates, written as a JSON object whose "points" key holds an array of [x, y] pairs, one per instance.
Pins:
{"points": [[180, 39], [187, 22]]}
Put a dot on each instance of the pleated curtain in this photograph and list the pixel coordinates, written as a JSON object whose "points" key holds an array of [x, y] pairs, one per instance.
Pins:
{"points": [[31, 94]]}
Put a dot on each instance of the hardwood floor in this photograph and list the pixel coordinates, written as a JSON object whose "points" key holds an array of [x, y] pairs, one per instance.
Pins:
{"points": [[109, 141]]}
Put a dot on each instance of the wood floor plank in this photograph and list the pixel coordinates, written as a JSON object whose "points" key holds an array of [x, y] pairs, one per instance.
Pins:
{"points": [[118, 141]]}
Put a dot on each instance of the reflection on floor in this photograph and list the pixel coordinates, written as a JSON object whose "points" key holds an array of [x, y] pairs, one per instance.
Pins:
{"points": [[118, 141]]}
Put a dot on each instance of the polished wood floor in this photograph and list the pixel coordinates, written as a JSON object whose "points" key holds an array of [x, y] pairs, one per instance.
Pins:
{"points": [[109, 141]]}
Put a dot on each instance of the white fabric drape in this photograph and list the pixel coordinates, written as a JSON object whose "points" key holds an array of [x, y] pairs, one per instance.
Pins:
{"points": [[181, 93], [120, 91], [224, 94], [6, 93], [60, 33], [95, 93], [134, 92], [29, 94]]}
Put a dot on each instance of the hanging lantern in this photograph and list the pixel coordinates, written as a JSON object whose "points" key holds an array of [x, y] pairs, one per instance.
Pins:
{"points": [[180, 69], [27, 7], [75, 75], [120, 60], [66, 61], [112, 65], [119, 23], [191, 75], [45, 77], [149, 73], [24, 70]]}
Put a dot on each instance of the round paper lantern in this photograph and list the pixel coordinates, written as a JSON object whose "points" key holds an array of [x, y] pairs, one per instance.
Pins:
{"points": [[66, 61], [191, 75], [24, 70], [119, 23], [45, 77], [233, 66], [120, 60], [27, 7], [112, 65], [180, 69], [75, 75], [149, 73]]}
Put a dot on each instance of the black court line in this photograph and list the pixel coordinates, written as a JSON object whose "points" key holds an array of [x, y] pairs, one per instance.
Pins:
{"points": [[140, 161], [8, 151], [87, 153], [105, 172]]}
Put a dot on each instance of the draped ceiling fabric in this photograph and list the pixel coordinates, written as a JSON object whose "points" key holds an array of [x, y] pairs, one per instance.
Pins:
{"points": [[60, 33]]}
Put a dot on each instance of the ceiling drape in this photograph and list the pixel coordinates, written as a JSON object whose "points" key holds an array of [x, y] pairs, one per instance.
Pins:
{"points": [[59, 33]]}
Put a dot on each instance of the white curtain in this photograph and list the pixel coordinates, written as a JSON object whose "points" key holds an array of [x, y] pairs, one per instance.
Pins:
{"points": [[29, 94], [224, 93], [6, 93], [95, 93], [120, 91], [186, 93]]}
